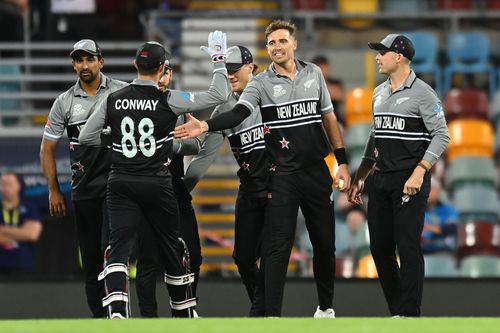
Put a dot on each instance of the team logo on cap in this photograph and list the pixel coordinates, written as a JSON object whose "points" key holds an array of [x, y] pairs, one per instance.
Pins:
{"points": [[144, 54]]}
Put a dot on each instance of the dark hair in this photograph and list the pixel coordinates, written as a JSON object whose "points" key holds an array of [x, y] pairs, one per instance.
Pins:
{"points": [[19, 179], [320, 60], [147, 71], [280, 24], [356, 208]]}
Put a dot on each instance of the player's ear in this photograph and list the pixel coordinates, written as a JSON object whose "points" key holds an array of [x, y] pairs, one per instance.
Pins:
{"points": [[101, 62], [135, 65]]}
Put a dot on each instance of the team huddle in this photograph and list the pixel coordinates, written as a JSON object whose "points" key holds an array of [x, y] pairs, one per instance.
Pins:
{"points": [[127, 143]]}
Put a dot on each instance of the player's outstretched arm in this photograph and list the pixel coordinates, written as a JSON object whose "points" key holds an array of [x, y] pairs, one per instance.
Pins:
{"points": [[191, 129], [219, 90]]}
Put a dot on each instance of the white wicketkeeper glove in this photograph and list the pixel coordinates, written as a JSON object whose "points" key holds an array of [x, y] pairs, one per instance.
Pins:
{"points": [[217, 46]]}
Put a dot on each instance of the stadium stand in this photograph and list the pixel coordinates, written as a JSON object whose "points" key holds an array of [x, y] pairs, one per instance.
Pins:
{"points": [[440, 265], [30, 81], [425, 60], [466, 103], [469, 52]]}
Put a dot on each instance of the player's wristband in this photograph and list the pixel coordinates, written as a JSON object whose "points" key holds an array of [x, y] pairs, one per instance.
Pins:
{"points": [[340, 156], [423, 166]]}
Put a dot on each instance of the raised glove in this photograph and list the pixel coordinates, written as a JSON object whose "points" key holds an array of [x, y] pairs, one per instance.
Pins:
{"points": [[217, 46]]}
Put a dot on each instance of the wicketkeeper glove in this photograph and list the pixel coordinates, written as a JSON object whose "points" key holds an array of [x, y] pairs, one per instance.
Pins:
{"points": [[217, 46]]}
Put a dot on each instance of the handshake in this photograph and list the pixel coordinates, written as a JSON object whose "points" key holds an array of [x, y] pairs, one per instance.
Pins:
{"points": [[217, 46]]}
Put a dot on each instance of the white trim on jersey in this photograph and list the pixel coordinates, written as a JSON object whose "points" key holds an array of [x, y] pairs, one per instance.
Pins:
{"points": [[298, 124], [291, 102], [396, 114], [52, 135], [247, 103], [402, 133], [77, 122], [245, 129], [400, 138], [293, 119], [433, 154], [249, 148]]}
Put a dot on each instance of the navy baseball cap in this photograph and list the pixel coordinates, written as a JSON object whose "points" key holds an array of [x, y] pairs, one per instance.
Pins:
{"points": [[237, 56], [396, 43], [86, 45], [151, 55]]}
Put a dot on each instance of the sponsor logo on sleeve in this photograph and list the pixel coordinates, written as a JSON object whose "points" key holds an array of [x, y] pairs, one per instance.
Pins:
{"points": [[438, 109]]}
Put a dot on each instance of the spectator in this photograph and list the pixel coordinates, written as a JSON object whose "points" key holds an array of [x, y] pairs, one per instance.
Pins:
{"points": [[357, 238], [20, 227], [335, 88], [440, 229]]}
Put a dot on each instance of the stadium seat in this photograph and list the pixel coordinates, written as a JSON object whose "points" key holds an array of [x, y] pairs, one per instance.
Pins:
{"points": [[476, 201], [454, 4], [358, 6], [442, 265], [9, 87], [466, 103], [344, 267], [494, 109], [309, 4], [358, 106], [469, 52], [493, 4], [480, 267], [406, 6], [478, 237], [366, 268], [355, 140], [426, 54], [470, 137], [469, 170]]}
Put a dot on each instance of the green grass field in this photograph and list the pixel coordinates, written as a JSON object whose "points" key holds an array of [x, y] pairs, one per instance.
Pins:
{"points": [[247, 325]]}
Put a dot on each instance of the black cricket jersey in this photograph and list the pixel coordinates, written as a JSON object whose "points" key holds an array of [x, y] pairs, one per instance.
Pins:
{"points": [[408, 126], [291, 115], [142, 129]]}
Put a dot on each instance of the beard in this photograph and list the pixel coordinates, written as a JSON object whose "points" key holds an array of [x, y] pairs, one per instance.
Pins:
{"points": [[87, 76]]}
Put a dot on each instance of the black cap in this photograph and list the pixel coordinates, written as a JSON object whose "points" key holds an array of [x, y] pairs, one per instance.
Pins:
{"points": [[86, 45], [397, 43], [238, 56], [151, 55]]}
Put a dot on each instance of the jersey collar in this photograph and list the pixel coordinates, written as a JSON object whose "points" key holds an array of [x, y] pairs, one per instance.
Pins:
{"points": [[138, 82], [300, 65], [408, 82], [78, 91]]}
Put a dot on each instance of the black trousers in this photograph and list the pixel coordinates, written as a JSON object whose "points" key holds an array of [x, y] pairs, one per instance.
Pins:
{"points": [[395, 225], [249, 223], [148, 267], [310, 189], [133, 203], [92, 226]]}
